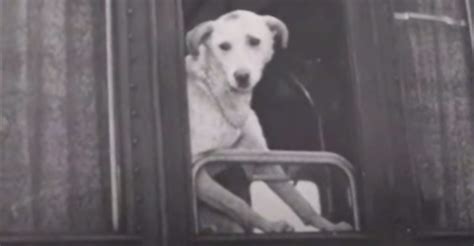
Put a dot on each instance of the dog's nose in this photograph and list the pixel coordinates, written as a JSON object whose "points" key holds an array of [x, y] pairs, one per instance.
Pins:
{"points": [[242, 77]]}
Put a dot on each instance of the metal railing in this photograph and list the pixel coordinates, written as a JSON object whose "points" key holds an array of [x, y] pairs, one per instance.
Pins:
{"points": [[284, 158]]}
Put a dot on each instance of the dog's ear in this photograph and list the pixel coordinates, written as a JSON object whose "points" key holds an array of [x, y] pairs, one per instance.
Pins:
{"points": [[197, 36], [278, 28]]}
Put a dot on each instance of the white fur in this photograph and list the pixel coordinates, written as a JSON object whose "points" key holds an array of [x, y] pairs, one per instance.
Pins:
{"points": [[242, 56], [221, 117]]}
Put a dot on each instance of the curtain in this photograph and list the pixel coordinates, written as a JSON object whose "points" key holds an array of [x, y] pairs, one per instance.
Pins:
{"points": [[54, 173]]}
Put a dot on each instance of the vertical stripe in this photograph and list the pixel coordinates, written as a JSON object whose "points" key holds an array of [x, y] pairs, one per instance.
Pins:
{"points": [[53, 139], [54, 163], [15, 169], [82, 116]]}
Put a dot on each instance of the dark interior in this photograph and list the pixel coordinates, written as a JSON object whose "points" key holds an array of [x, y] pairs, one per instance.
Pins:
{"points": [[304, 99]]}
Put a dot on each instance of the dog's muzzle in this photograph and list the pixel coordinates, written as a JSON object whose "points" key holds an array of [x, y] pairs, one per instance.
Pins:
{"points": [[242, 77]]}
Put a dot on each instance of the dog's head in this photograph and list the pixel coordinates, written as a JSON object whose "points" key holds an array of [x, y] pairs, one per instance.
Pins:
{"points": [[242, 42]]}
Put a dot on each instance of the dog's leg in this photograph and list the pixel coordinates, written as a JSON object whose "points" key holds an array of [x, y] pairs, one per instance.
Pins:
{"points": [[253, 139], [287, 192], [212, 193], [212, 221]]}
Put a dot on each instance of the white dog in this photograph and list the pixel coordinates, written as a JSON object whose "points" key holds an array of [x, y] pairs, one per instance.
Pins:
{"points": [[226, 61]]}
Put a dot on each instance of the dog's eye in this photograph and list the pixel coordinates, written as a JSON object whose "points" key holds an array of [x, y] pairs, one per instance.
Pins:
{"points": [[254, 41], [225, 46]]}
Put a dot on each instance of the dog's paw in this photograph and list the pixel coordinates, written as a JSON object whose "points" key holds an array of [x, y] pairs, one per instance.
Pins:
{"points": [[343, 226], [278, 227]]}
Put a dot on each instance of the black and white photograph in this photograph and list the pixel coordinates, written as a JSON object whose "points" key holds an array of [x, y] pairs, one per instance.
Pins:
{"points": [[236, 122]]}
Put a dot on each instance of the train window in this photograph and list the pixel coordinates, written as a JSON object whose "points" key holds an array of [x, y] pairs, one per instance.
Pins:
{"points": [[56, 119], [330, 103], [268, 82], [306, 116]]}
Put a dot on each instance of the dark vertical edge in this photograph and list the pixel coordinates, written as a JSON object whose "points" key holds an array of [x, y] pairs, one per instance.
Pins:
{"points": [[169, 90], [53, 196], [457, 103], [469, 7], [339, 122], [406, 193], [366, 25], [447, 166], [71, 121], [350, 14], [86, 117], [36, 98], [469, 15], [382, 38], [145, 154], [15, 166]]}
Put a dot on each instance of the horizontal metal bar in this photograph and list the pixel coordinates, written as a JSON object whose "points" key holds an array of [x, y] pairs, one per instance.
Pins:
{"points": [[427, 235], [307, 237], [64, 238], [277, 156], [428, 17], [247, 157]]}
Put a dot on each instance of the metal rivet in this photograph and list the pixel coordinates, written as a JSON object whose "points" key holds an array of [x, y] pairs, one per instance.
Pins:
{"points": [[136, 170], [138, 228], [130, 36], [133, 85], [134, 113], [130, 11]]}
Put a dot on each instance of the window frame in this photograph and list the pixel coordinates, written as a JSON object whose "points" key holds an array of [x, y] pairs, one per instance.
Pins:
{"points": [[173, 101], [149, 70], [370, 40]]}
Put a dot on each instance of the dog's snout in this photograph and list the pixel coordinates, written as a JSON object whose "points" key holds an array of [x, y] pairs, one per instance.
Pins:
{"points": [[242, 77]]}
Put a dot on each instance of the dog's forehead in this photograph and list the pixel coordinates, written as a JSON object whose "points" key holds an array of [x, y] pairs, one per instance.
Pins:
{"points": [[240, 15], [241, 22]]}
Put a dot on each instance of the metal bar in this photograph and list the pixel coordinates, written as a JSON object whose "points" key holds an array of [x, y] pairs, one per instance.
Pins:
{"points": [[238, 157], [470, 23], [444, 234], [428, 17], [114, 168], [108, 238], [262, 239]]}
